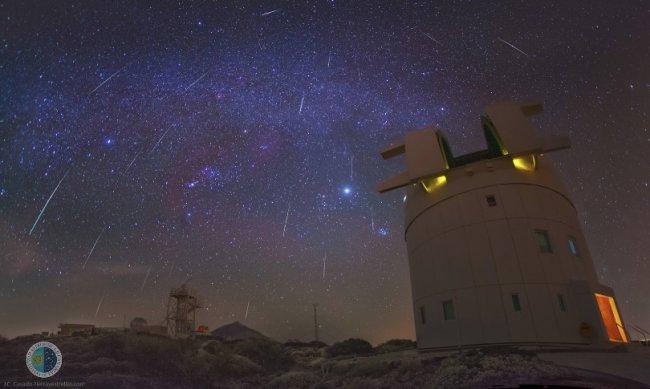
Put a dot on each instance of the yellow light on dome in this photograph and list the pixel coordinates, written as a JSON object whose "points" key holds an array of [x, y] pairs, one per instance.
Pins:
{"points": [[525, 162], [431, 183]]}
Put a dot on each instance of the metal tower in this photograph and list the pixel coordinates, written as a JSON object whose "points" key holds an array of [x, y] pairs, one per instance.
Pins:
{"points": [[181, 311]]}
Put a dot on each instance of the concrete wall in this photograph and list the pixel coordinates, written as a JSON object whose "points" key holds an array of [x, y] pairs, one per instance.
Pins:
{"points": [[478, 256]]}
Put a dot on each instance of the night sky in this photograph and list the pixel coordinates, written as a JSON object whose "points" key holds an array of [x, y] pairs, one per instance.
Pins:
{"points": [[237, 145]]}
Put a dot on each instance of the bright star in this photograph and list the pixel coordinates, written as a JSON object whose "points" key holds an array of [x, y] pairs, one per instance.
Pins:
{"points": [[347, 190]]}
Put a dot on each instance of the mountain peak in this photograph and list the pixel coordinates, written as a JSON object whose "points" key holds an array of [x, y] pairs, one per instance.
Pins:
{"points": [[237, 331]]}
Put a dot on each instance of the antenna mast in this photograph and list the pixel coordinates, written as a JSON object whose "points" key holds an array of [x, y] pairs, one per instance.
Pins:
{"points": [[315, 321]]}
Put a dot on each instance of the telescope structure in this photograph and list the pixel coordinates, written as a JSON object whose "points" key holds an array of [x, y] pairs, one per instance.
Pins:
{"points": [[495, 249]]}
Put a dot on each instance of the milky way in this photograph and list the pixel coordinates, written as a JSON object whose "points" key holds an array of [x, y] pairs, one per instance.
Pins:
{"points": [[237, 146]]}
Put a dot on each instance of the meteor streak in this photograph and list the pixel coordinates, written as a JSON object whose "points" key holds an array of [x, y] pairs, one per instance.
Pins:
{"points": [[302, 102], [46, 203], [171, 268], [105, 81], [100, 304], [286, 219], [513, 46], [160, 139], [271, 12], [197, 80], [93, 248], [432, 38], [145, 279], [132, 161]]}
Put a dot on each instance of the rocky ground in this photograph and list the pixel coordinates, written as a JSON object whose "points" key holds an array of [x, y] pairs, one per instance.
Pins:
{"points": [[128, 360]]}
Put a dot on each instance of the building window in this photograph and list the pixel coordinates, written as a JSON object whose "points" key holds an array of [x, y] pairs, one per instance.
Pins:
{"points": [[562, 302], [516, 304], [543, 241], [491, 200], [423, 317], [573, 246], [448, 310]]}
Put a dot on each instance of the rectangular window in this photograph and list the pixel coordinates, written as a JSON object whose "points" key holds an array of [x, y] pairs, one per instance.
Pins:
{"points": [[423, 317], [543, 241], [448, 310], [560, 300], [516, 304], [573, 246]]}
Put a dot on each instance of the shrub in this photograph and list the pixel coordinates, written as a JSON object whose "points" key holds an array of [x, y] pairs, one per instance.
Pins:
{"points": [[317, 344], [109, 345], [104, 364], [271, 355], [294, 379], [220, 360], [476, 369], [305, 356], [108, 380], [352, 346], [370, 368], [395, 345], [216, 347], [301, 344]]}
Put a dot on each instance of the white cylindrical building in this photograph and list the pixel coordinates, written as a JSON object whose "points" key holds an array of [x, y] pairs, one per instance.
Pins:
{"points": [[495, 248]]}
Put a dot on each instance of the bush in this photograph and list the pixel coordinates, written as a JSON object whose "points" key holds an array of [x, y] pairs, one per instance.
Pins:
{"points": [[395, 345], [109, 345], [109, 380], [301, 344], [476, 369], [370, 368], [220, 360], [216, 347], [294, 379], [271, 355], [352, 346], [305, 356], [317, 344], [103, 364]]}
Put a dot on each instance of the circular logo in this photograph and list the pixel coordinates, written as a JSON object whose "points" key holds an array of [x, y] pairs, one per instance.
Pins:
{"points": [[44, 359]]}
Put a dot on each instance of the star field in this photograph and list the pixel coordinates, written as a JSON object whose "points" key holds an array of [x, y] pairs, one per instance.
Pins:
{"points": [[236, 145]]}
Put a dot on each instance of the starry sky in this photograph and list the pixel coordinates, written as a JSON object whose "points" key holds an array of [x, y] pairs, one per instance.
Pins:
{"points": [[236, 144]]}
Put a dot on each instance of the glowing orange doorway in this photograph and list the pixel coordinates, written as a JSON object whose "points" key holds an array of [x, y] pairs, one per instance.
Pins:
{"points": [[611, 318]]}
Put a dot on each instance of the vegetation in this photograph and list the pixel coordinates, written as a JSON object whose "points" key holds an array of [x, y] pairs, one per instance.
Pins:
{"points": [[395, 345], [110, 360], [352, 346], [270, 355], [300, 344]]}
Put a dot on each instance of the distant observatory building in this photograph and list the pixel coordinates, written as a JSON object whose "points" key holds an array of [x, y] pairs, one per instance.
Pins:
{"points": [[495, 249]]}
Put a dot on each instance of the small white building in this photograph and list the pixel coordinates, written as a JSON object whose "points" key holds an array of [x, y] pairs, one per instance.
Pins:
{"points": [[495, 248]]}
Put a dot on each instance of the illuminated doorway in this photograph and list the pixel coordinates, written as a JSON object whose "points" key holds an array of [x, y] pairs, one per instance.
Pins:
{"points": [[611, 318]]}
